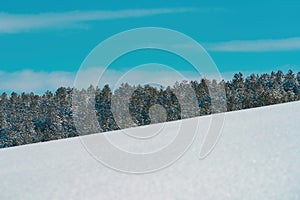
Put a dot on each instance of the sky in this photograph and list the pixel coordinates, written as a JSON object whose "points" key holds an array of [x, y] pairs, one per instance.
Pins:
{"points": [[44, 43]]}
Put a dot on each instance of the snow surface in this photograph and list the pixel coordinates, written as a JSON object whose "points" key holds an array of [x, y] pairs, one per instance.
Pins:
{"points": [[257, 157]]}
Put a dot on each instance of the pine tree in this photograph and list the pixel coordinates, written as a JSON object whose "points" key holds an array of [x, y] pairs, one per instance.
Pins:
{"points": [[28, 118]]}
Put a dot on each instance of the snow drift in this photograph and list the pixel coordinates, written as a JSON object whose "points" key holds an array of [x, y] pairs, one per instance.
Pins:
{"points": [[257, 157]]}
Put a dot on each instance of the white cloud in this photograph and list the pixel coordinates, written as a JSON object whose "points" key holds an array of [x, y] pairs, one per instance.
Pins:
{"points": [[39, 82], [288, 44], [152, 73], [11, 23], [30, 81]]}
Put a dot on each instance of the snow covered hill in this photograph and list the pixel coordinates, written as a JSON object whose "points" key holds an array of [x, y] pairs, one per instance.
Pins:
{"points": [[257, 157]]}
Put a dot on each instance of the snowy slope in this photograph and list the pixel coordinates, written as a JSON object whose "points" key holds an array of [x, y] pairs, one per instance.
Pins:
{"points": [[257, 157]]}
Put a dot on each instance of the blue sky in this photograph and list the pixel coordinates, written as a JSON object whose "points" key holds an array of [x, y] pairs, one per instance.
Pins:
{"points": [[43, 43]]}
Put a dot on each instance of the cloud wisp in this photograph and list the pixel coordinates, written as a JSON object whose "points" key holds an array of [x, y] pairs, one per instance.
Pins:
{"points": [[287, 44], [13, 23], [32, 81], [39, 82]]}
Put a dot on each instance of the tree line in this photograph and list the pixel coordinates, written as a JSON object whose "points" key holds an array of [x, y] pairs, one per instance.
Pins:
{"points": [[29, 118]]}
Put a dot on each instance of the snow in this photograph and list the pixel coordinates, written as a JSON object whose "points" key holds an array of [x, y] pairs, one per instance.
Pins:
{"points": [[257, 157]]}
